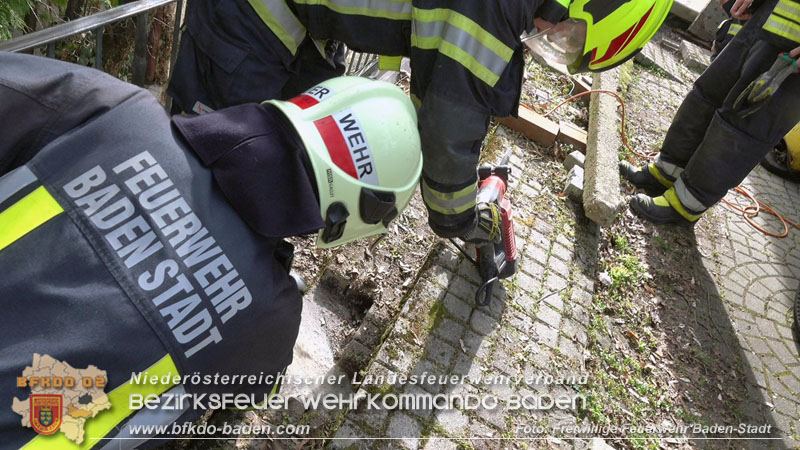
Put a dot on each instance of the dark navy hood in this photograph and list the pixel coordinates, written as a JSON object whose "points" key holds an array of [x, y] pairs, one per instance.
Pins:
{"points": [[260, 166]]}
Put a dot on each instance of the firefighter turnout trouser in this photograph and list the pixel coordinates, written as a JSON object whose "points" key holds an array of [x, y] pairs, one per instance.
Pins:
{"points": [[709, 148]]}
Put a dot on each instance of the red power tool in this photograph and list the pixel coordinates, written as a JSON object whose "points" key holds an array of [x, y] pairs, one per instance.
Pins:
{"points": [[496, 261]]}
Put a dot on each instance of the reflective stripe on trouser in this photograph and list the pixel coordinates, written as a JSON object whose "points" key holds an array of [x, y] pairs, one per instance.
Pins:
{"points": [[461, 39], [689, 201], [734, 29], [449, 203], [277, 16], [105, 421], [667, 168], [27, 213]]}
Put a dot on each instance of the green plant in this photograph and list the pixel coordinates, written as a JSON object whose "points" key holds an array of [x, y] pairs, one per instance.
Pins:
{"points": [[12, 16]]}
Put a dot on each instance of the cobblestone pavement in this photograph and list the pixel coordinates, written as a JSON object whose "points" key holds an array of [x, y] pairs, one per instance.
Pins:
{"points": [[538, 323], [757, 277], [535, 324]]}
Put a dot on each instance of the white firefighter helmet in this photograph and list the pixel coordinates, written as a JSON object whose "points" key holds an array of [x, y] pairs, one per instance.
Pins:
{"points": [[362, 140]]}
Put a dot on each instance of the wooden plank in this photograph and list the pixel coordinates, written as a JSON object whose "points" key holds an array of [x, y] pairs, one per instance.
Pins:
{"points": [[569, 133], [535, 127]]}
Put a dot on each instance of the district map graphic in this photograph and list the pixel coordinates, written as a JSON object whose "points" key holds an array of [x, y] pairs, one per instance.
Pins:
{"points": [[62, 397]]}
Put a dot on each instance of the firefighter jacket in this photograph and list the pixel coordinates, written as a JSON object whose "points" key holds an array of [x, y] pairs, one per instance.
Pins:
{"points": [[461, 49], [120, 246]]}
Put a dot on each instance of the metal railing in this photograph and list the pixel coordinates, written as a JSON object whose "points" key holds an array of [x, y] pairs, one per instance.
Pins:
{"points": [[361, 64], [358, 64], [96, 24]]}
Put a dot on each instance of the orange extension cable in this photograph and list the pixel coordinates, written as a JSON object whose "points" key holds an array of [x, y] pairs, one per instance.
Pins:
{"points": [[748, 212]]}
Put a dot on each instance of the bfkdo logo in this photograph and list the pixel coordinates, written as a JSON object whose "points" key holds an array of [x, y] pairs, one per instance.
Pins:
{"points": [[46, 412], [62, 398]]}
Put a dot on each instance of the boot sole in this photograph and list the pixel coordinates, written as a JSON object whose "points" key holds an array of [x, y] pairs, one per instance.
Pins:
{"points": [[656, 220]]}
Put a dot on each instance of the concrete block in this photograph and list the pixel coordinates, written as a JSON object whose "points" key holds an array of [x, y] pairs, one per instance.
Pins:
{"points": [[569, 133], [688, 10], [706, 23], [601, 196], [696, 58], [537, 128], [574, 185], [574, 159]]}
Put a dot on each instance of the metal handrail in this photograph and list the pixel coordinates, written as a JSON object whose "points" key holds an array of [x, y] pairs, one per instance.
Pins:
{"points": [[96, 23], [359, 64], [81, 25]]}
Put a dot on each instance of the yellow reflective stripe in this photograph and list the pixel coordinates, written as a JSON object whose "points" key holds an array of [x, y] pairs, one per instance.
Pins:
{"points": [[389, 62], [784, 28], [465, 23], [385, 9], [457, 54], [675, 203], [277, 16], [105, 421], [449, 202], [788, 9], [661, 201], [734, 29], [656, 173], [26, 215]]}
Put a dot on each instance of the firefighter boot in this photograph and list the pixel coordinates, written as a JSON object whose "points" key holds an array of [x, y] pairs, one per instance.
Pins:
{"points": [[664, 209], [649, 177]]}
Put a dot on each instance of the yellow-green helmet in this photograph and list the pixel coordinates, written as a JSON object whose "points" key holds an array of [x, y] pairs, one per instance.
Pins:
{"points": [[600, 34], [362, 141]]}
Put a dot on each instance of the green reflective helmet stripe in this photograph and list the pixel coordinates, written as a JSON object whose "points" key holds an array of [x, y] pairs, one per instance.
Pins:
{"points": [[616, 32], [277, 16]]}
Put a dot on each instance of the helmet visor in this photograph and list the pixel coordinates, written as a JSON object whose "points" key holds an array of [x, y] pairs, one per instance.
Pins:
{"points": [[561, 44]]}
